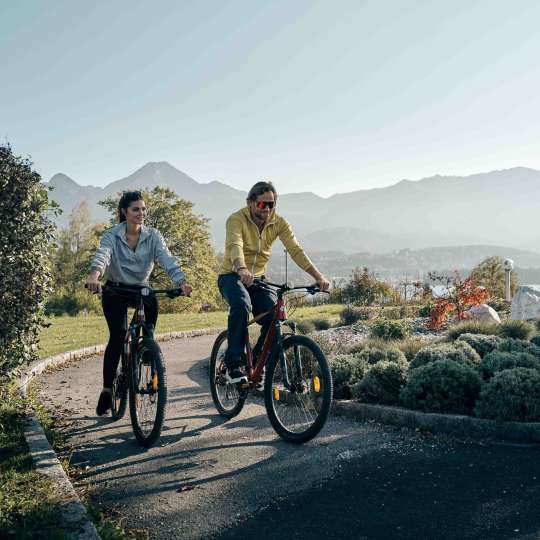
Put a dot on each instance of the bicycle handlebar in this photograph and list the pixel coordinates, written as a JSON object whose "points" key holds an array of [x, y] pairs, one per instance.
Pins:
{"points": [[311, 289], [143, 291]]}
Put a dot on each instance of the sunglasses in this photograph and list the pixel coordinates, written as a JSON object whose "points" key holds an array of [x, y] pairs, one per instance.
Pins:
{"points": [[261, 205]]}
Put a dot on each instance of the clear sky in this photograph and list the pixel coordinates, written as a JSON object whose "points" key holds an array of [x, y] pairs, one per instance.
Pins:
{"points": [[325, 96]]}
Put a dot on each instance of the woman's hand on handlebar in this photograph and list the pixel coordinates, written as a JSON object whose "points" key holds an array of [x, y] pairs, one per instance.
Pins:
{"points": [[186, 289], [92, 283]]}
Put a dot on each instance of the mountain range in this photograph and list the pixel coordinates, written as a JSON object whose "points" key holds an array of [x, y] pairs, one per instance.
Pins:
{"points": [[498, 208]]}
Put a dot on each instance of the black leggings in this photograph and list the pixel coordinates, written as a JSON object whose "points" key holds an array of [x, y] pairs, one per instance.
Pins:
{"points": [[115, 309]]}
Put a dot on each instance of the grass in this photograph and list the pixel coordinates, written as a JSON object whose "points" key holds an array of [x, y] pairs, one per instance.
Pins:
{"points": [[69, 333], [29, 508]]}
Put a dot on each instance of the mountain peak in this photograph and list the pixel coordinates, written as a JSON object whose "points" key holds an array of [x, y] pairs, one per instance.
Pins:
{"points": [[63, 180]]}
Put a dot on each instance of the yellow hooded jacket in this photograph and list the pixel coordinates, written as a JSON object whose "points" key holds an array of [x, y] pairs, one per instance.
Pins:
{"points": [[244, 241]]}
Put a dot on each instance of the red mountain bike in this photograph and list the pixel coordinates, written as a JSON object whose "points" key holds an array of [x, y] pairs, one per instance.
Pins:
{"points": [[297, 381]]}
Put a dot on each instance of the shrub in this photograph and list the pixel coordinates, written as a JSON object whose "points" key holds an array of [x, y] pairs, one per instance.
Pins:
{"points": [[442, 386], [25, 278], [459, 352], [306, 326], [352, 314], [472, 327], [321, 324], [511, 395], [424, 311], [359, 370], [382, 383], [516, 329], [519, 345], [372, 355], [498, 361], [341, 366], [482, 344], [410, 346], [535, 340], [536, 323], [387, 329]]}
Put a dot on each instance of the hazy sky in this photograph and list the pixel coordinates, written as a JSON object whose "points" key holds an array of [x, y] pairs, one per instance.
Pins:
{"points": [[324, 96]]}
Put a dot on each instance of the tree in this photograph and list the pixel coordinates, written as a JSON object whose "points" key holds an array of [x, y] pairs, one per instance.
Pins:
{"points": [[25, 278], [365, 289], [490, 274], [71, 253], [460, 295], [187, 238]]}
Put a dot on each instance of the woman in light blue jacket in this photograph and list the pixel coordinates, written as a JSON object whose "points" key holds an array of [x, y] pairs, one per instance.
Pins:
{"points": [[125, 258]]}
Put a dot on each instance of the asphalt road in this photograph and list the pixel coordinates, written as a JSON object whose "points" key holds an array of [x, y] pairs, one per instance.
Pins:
{"points": [[225, 480]]}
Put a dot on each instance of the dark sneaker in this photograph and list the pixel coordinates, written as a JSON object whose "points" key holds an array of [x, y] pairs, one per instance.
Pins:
{"points": [[260, 385], [104, 403], [235, 376]]}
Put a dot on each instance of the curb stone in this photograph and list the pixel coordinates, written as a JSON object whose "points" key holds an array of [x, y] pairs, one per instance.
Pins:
{"points": [[74, 513], [452, 424]]}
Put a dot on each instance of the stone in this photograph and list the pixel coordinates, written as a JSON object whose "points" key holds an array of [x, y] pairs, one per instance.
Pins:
{"points": [[483, 312], [526, 303]]}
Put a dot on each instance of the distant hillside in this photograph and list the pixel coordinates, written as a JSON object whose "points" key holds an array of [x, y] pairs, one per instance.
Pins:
{"points": [[413, 263], [495, 208]]}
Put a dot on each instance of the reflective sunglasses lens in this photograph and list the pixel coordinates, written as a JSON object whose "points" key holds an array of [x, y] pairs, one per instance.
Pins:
{"points": [[261, 205]]}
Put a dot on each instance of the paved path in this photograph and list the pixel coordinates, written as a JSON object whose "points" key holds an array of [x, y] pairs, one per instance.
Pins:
{"points": [[214, 479]]}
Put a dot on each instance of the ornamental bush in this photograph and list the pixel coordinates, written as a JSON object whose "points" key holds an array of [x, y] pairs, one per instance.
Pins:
{"points": [[321, 323], [389, 329], [443, 386], [511, 395], [352, 314], [482, 344], [459, 352], [472, 327], [410, 346], [372, 355], [25, 278], [519, 345], [516, 329], [498, 361], [535, 340], [306, 326], [341, 366], [382, 383]]}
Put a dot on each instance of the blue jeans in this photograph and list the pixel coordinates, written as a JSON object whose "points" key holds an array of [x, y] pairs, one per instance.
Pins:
{"points": [[242, 300]]}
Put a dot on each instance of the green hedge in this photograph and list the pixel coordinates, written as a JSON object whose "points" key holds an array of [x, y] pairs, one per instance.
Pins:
{"points": [[481, 343], [382, 383], [389, 329], [511, 395], [459, 352], [443, 386], [498, 361]]}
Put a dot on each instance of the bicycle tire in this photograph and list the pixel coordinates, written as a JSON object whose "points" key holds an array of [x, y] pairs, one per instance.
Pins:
{"points": [[316, 384], [119, 393], [218, 386], [148, 362]]}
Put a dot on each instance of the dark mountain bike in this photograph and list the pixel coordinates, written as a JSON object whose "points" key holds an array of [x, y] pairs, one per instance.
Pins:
{"points": [[297, 378], [141, 373]]}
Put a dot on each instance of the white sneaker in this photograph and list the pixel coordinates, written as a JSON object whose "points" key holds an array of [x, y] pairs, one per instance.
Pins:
{"points": [[235, 376]]}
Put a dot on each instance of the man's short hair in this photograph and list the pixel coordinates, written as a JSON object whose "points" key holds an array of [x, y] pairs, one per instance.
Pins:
{"points": [[259, 188]]}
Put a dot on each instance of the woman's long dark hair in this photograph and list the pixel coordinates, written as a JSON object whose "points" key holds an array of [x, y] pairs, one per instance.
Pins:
{"points": [[125, 200]]}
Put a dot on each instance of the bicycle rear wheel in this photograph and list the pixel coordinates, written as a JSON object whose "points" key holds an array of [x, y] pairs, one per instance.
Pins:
{"points": [[298, 409], [119, 393], [148, 392], [228, 398]]}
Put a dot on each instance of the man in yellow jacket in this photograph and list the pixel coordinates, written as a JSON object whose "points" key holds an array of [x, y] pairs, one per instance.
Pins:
{"points": [[250, 234]]}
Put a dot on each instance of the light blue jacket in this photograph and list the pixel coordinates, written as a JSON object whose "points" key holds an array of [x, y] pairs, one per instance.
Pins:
{"points": [[116, 261]]}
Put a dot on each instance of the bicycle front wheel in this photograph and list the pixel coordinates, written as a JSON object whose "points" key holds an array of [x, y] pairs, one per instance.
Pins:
{"points": [[119, 393], [148, 392], [298, 389], [228, 398]]}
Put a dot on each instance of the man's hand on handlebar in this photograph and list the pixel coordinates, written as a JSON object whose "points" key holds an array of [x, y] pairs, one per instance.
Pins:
{"points": [[246, 277], [323, 283]]}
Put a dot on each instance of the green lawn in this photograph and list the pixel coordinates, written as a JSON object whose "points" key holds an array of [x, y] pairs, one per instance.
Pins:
{"points": [[69, 333]]}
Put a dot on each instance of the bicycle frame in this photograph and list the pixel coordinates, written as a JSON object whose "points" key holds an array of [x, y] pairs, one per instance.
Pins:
{"points": [[273, 338]]}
